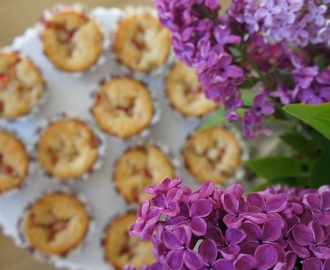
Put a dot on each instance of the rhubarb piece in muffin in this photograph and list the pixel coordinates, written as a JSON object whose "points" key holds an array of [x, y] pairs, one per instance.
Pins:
{"points": [[67, 148], [185, 93], [121, 249], [72, 41], [141, 43], [21, 85], [56, 224], [212, 154], [14, 162], [140, 167], [123, 107]]}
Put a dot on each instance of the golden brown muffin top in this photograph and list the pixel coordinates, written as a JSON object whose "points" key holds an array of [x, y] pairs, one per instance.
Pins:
{"points": [[56, 223], [185, 92], [21, 85], [72, 41], [14, 162], [140, 167], [67, 148], [121, 249], [141, 43], [123, 107], [213, 154]]}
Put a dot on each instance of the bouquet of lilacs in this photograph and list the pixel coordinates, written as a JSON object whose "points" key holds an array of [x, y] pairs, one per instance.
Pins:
{"points": [[212, 228], [282, 46], [260, 56]]}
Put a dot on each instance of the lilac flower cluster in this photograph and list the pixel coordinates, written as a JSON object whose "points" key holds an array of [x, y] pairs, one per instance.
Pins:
{"points": [[253, 44], [298, 22], [212, 228], [200, 39]]}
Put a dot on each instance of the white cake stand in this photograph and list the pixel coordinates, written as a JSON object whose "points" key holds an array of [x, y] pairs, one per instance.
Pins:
{"points": [[71, 94]]}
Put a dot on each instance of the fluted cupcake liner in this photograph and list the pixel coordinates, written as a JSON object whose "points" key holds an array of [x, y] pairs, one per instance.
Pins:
{"points": [[31, 167], [34, 111], [158, 71], [80, 8], [239, 174], [156, 107], [102, 146], [51, 258]]}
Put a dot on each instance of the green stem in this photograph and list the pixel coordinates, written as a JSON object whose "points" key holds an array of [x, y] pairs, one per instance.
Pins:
{"points": [[249, 60], [262, 77], [279, 111], [207, 13]]}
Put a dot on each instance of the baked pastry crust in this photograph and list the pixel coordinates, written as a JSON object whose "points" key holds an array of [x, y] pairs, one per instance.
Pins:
{"points": [[56, 224], [213, 154], [14, 162], [67, 149], [21, 85], [121, 249], [141, 43], [123, 107], [185, 92], [72, 41], [140, 167]]}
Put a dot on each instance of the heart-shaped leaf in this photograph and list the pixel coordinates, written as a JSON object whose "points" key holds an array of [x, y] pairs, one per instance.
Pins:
{"points": [[318, 116]]}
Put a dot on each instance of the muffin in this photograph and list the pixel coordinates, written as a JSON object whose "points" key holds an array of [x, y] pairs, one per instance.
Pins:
{"points": [[56, 224], [21, 85], [212, 154], [121, 249], [186, 94], [123, 107], [140, 167], [141, 43], [72, 40], [14, 162], [67, 148]]}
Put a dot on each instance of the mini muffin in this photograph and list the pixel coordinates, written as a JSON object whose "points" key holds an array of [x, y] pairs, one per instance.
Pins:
{"points": [[67, 149], [72, 40], [21, 85], [14, 162], [140, 167], [123, 107], [185, 93], [212, 154], [56, 224], [141, 43], [122, 249]]}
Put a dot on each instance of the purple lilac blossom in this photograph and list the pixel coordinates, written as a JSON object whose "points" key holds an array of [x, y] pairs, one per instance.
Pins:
{"points": [[298, 22], [279, 228], [255, 38], [264, 41]]}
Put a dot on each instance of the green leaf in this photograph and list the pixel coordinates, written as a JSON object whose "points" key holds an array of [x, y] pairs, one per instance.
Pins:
{"points": [[318, 116], [320, 60], [300, 144], [247, 98], [248, 95], [320, 171], [235, 51], [218, 118], [320, 168], [248, 83], [275, 167]]}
